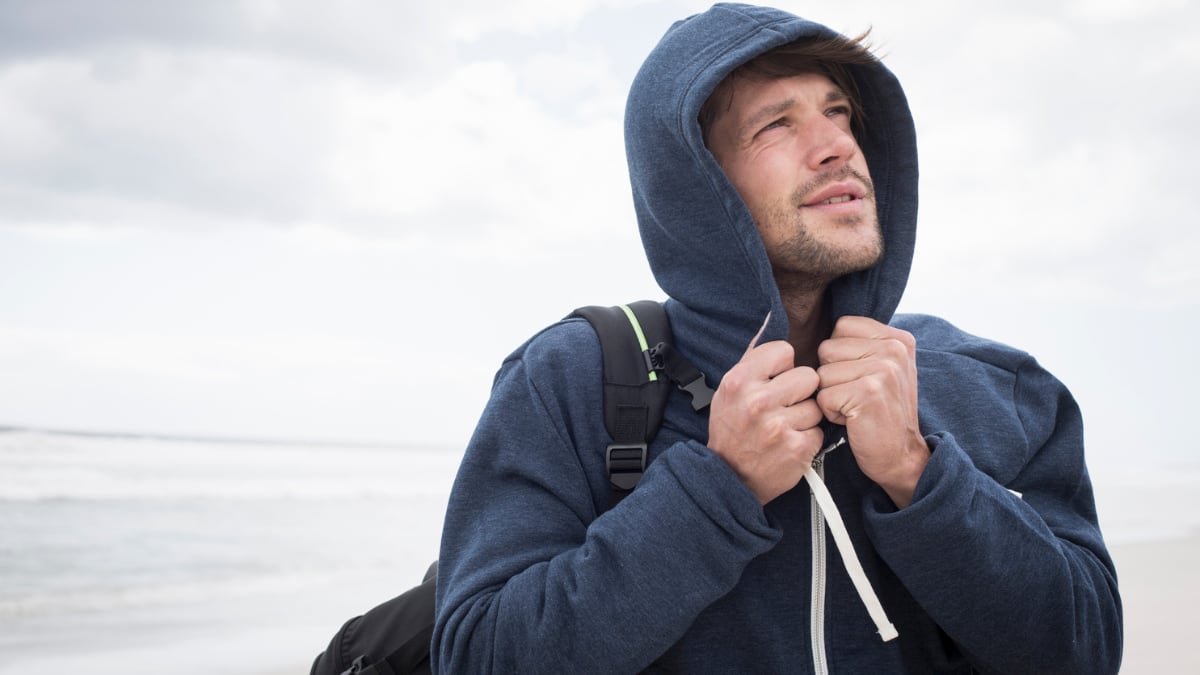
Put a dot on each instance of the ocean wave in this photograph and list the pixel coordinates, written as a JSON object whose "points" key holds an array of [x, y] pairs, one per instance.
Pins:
{"points": [[108, 599], [249, 491], [41, 466]]}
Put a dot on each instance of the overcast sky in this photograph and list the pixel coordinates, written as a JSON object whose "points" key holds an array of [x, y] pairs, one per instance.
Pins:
{"points": [[331, 221]]}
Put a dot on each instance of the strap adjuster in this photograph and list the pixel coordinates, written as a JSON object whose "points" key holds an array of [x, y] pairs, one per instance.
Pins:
{"points": [[666, 358], [625, 463]]}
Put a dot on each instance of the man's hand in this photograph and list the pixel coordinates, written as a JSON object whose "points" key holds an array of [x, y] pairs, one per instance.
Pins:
{"points": [[868, 374], [763, 420]]}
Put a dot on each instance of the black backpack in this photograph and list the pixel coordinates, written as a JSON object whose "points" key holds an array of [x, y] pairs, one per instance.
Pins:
{"points": [[635, 341]]}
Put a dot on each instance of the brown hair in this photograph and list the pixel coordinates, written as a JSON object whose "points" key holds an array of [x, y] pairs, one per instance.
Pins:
{"points": [[828, 56]]}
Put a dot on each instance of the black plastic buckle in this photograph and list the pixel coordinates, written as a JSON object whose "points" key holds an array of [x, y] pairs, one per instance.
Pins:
{"points": [[625, 463], [701, 393], [654, 358]]}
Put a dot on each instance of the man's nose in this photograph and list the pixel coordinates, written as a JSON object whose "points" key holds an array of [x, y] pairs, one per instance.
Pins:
{"points": [[830, 145]]}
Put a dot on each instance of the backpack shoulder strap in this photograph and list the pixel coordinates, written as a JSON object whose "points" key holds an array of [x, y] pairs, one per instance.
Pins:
{"points": [[635, 345]]}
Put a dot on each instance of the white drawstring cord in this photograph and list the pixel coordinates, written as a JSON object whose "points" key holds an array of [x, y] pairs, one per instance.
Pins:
{"points": [[854, 568]]}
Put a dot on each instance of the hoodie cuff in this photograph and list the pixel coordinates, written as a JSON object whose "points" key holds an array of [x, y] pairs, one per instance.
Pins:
{"points": [[712, 486], [947, 469]]}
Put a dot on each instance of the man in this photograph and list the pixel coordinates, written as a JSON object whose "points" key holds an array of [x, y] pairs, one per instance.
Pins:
{"points": [[773, 166]]}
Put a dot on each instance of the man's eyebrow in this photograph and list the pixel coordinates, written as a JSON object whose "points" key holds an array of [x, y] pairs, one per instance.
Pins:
{"points": [[762, 115], [835, 95]]}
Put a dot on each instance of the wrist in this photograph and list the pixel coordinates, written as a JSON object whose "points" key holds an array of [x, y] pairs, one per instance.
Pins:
{"points": [[901, 484]]}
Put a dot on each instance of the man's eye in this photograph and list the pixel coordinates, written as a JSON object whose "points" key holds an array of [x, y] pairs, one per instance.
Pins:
{"points": [[773, 125], [838, 110]]}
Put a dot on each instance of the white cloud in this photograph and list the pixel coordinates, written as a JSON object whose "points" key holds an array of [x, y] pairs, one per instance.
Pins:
{"points": [[218, 135], [1172, 275], [224, 133], [1055, 150], [470, 20], [477, 156], [1120, 10]]}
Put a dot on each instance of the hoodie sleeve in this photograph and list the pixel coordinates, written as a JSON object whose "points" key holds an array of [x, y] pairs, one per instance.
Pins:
{"points": [[1016, 574], [531, 581]]}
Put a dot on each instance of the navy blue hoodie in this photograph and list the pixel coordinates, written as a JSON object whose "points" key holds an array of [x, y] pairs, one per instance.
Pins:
{"points": [[998, 565]]}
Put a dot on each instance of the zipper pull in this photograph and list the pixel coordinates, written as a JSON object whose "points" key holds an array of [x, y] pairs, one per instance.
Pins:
{"points": [[820, 456]]}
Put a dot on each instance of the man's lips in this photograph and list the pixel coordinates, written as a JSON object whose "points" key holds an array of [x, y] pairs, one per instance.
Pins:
{"points": [[837, 193]]}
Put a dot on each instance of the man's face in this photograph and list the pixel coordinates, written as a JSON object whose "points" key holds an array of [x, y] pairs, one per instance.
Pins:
{"points": [[786, 145]]}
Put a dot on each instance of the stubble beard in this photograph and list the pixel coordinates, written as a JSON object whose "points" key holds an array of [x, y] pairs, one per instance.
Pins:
{"points": [[805, 262]]}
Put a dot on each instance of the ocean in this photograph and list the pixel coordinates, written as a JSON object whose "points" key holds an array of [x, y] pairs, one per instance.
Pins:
{"points": [[147, 555]]}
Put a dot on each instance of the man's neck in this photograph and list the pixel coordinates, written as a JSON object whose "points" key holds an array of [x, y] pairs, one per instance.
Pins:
{"points": [[809, 322]]}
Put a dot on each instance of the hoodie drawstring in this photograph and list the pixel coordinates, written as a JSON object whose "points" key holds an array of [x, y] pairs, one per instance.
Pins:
{"points": [[841, 538]]}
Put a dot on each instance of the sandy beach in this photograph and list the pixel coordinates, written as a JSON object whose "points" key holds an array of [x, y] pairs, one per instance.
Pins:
{"points": [[1160, 589]]}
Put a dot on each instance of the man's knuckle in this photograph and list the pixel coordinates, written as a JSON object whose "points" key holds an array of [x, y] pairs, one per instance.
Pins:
{"points": [[824, 351], [824, 398], [874, 385], [758, 403], [894, 348], [733, 382]]}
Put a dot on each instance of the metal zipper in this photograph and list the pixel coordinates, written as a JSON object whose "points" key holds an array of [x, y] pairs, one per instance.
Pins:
{"points": [[816, 619]]}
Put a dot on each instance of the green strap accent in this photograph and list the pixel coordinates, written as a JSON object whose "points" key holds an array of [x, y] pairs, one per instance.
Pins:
{"points": [[641, 337]]}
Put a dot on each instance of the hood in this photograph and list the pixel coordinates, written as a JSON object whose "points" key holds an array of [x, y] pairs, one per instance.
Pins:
{"points": [[701, 242]]}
